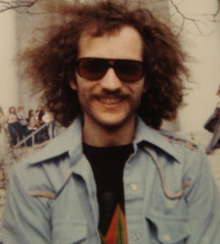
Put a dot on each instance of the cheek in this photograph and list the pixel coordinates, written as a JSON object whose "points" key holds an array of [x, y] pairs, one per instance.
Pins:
{"points": [[139, 88], [83, 93]]}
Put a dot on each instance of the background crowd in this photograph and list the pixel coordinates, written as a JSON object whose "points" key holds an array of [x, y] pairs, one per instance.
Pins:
{"points": [[20, 125]]}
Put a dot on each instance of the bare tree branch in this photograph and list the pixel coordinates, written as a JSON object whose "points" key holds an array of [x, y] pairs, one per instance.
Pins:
{"points": [[16, 5], [183, 17], [199, 20]]}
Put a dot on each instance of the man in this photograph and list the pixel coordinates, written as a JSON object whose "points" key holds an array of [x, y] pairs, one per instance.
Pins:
{"points": [[111, 73]]}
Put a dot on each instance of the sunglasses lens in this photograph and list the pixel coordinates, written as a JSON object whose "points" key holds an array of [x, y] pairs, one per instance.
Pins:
{"points": [[92, 68], [96, 68], [129, 70]]}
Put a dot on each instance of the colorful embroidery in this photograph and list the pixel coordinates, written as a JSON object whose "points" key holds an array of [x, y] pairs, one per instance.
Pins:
{"points": [[181, 141]]}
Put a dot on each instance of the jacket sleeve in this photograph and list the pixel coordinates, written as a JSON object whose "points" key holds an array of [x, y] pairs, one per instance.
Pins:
{"points": [[203, 203], [26, 219]]}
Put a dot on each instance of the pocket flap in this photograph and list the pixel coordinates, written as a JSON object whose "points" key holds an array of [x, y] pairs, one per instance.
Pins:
{"points": [[69, 233], [169, 230]]}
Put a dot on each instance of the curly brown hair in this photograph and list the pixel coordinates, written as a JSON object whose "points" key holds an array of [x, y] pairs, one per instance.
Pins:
{"points": [[51, 64]]}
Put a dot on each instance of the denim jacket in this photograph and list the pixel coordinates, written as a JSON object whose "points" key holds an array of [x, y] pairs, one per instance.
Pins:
{"points": [[170, 193]]}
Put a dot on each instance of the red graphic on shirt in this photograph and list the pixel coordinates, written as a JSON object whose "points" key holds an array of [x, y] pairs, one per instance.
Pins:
{"points": [[117, 233]]}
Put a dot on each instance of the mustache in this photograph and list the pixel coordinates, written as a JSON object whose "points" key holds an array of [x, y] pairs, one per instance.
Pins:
{"points": [[115, 94], [104, 96]]}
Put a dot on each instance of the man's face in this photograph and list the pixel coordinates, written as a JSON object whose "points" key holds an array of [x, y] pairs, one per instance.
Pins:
{"points": [[110, 102]]}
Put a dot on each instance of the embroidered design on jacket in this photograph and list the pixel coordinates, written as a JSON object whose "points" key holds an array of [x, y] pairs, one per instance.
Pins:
{"points": [[181, 141], [43, 194]]}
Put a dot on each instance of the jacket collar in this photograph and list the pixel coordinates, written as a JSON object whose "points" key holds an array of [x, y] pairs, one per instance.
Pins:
{"points": [[70, 141], [144, 133]]}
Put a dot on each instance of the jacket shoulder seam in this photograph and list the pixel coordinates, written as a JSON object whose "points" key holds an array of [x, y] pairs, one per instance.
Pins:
{"points": [[181, 141]]}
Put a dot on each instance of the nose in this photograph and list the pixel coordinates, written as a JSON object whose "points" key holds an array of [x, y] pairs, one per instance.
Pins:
{"points": [[110, 81]]}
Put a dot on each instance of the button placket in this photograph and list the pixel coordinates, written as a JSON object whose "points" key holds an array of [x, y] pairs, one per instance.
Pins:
{"points": [[133, 204]]}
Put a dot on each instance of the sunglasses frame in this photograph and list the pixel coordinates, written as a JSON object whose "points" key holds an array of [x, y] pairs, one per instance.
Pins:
{"points": [[111, 63]]}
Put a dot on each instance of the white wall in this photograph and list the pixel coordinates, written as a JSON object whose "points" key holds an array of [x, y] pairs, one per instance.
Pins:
{"points": [[8, 81], [202, 41]]}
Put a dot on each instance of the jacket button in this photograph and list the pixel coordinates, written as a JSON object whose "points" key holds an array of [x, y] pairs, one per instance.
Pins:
{"points": [[136, 236], [166, 238], [133, 187]]}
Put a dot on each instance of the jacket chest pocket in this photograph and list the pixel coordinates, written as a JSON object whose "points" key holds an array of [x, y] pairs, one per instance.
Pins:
{"points": [[168, 230], [69, 233]]}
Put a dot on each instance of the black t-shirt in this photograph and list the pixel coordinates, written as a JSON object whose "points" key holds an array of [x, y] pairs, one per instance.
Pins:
{"points": [[107, 164]]}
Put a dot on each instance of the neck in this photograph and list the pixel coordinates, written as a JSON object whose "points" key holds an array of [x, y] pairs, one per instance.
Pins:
{"points": [[100, 136]]}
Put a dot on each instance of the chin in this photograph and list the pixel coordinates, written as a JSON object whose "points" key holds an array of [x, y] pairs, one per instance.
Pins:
{"points": [[112, 123]]}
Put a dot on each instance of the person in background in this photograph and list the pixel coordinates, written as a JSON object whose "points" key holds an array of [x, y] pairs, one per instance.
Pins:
{"points": [[52, 126], [43, 116], [12, 121], [22, 124], [32, 126], [215, 140], [47, 120], [38, 115], [2, 133]]}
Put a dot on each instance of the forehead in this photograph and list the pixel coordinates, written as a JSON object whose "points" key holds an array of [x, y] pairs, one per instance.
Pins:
{"points": [[125, 43]]}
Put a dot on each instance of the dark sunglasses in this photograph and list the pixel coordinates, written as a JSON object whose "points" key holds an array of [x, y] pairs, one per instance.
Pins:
{"points": [[96, 68]]}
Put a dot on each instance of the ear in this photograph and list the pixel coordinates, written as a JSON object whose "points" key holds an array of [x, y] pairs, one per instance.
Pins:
{"points": [[145, 88], [73, 85]]}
